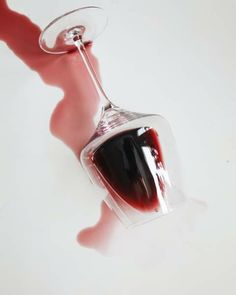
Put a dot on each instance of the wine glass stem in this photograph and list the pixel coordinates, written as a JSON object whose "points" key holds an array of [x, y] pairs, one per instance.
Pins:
{"points": [[106, 103]]}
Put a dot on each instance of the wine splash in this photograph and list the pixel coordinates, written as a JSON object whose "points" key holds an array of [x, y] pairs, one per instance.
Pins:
{"points": [[71, 120]]}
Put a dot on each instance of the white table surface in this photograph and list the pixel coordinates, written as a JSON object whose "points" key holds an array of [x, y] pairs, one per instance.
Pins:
{"points": [[176, 58]]}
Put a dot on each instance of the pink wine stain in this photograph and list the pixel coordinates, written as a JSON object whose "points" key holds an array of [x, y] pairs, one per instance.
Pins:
{"points": [[71, 120], [97, 235]]}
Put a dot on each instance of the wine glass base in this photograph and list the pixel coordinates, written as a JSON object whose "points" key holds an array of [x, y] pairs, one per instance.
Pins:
{"points": [[86, 22]]}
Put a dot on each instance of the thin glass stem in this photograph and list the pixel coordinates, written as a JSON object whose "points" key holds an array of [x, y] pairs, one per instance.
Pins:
{"points": [[106, 103]]}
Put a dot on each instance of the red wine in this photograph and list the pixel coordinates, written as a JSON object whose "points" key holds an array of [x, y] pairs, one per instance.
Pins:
{"points": [[71, 120], [131, 163]]}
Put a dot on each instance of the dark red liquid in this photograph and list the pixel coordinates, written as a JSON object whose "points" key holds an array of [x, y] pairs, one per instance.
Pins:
{"points": [[131, 163]]}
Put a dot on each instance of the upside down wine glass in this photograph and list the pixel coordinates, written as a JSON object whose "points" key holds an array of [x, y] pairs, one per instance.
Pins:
{"points": [[132, 156]]}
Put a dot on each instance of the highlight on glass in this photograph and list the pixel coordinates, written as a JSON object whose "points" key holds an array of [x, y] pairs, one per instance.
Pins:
{"points": [[131, 156]]}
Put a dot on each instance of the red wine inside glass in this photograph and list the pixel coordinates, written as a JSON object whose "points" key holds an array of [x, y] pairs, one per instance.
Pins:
{"points": [[131, 163]]}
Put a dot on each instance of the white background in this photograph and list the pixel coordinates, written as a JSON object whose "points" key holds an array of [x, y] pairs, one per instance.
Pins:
{"points": [[176, 58]]}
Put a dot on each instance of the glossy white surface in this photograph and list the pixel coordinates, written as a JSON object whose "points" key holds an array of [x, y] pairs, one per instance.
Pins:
{"points": [[176, 58]]}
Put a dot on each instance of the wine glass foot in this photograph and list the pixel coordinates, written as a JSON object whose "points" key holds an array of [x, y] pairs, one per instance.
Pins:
{"points": [[86, 22]]}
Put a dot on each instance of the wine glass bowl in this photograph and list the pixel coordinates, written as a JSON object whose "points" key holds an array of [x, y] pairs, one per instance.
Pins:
{"points": [[142, 175]]}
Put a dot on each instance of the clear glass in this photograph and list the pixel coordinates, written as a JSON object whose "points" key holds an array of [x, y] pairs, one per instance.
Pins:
{"points": [[131, 156], [56, 37]]}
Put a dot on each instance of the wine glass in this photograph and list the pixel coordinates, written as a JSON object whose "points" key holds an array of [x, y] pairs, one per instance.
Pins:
{"points": [[132, 156]]}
